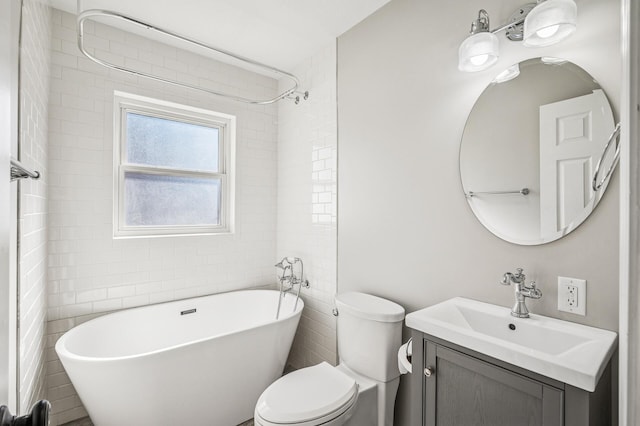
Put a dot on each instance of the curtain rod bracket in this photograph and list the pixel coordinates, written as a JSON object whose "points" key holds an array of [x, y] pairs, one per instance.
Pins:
{"points": [[18, 171]]}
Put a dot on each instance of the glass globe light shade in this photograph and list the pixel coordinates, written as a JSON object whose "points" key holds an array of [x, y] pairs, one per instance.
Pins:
{"points": [[478, 52], [550, 22]]}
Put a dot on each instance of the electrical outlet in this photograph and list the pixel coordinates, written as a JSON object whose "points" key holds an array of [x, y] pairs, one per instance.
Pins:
{"points": [[572, 295]]}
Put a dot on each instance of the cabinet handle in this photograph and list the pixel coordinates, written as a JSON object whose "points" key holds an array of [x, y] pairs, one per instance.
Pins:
{"points": [[428, 371]]}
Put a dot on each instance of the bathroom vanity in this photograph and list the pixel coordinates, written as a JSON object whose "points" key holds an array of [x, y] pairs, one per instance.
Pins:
{"points": [[474, 364]]}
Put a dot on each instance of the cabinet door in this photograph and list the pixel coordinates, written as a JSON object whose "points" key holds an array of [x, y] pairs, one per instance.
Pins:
{"points": [[462, 390]]}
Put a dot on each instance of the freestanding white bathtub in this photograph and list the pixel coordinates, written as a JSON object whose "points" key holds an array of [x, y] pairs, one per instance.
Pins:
{"points": [[202, 361]]}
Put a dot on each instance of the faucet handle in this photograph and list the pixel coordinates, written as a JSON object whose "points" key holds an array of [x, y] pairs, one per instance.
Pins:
{"points": [[506, 278], [535, 289]]}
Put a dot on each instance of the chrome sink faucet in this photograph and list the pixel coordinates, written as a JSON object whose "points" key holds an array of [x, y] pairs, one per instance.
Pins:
{"points": [[522, 290]]}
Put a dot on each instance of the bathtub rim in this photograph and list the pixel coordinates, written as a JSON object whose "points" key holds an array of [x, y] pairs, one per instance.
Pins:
{"points": [[61, 349]]}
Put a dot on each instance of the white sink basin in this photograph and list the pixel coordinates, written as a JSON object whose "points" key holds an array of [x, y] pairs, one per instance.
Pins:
{"points": [[569, 352]]}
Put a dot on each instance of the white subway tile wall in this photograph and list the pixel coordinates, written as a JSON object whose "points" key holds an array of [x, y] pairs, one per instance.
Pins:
{"points": [[307, 185], [89, 272], [34, 91]]}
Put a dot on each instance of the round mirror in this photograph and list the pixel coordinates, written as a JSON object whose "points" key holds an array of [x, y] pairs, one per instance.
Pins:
{"points": [[530, 149]]}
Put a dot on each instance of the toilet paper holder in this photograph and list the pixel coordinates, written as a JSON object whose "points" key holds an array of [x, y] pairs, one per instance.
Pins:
{"points": [[404, 357]]}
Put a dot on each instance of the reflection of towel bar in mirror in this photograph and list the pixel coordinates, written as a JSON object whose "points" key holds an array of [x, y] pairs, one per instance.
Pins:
{"points": [[614, 136], [523, 191]]}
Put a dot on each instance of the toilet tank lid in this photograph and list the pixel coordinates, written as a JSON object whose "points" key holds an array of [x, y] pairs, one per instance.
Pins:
{"points": [[369, 307]]}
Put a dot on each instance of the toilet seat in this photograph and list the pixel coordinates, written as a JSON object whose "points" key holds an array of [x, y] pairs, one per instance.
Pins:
{"points": [[309, 396]]}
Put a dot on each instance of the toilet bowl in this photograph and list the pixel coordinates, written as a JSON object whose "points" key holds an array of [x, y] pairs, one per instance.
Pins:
{"points": [[361, 390], [318, 395]]}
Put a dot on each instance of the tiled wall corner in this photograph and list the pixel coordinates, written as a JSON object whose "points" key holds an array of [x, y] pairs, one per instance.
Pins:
{"points": [[307, 182], [90, 273], [34, 91]]}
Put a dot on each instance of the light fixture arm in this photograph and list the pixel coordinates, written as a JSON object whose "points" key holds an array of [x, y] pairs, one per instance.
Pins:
{"points": [[509, 25], [514, 26], [481, 24]]}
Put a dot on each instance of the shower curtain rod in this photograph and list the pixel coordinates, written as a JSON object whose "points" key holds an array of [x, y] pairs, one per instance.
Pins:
{"points": [[291, 93]]}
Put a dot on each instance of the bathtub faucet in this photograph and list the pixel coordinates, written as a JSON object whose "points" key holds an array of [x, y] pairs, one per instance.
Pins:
{"points": [[288, 275], [288, 279]]}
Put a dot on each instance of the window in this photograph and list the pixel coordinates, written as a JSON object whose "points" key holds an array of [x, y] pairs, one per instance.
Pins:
{"points": [[173, 168]]}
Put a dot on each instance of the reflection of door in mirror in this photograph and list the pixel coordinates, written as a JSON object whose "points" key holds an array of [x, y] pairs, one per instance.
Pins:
{"points": [[571, 135]]}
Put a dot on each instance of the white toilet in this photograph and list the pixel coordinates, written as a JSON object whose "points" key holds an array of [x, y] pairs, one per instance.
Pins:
{"points": [[361, 390]]}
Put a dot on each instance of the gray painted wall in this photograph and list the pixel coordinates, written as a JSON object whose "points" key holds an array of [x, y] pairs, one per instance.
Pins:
{"points": [[405, 231]]}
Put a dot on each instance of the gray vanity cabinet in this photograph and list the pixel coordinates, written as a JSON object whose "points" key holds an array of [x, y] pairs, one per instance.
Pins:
{"points": [[453, 386], [468, 391]]}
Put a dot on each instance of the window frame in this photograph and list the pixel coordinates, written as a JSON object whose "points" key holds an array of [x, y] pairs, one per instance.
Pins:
{"points": [[225, 123]]}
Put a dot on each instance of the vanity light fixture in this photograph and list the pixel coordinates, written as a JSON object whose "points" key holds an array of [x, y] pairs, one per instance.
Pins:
{"points": [[536, 24]]}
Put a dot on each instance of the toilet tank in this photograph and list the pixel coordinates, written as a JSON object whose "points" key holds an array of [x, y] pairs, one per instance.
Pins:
{"points": [[369, 334]]}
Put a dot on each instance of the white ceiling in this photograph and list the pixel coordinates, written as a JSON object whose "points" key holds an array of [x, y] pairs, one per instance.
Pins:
{"points": [[280, 33]]}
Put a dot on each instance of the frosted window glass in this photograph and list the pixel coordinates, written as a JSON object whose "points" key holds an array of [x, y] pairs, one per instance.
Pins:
{"points": [[169, 143], [156, 200]]}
